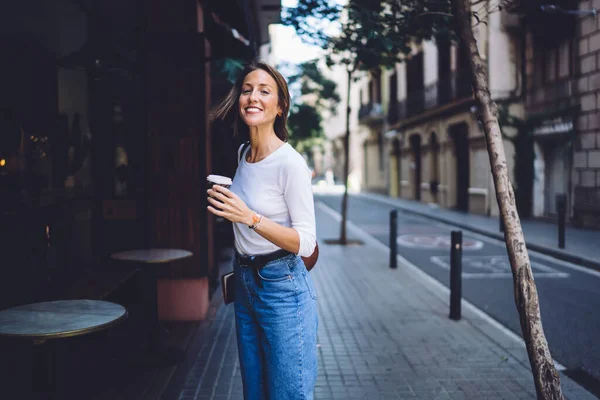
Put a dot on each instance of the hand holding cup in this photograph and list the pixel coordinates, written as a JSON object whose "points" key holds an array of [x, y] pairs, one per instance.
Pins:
{"points": [[219, 180], [225, 203]]}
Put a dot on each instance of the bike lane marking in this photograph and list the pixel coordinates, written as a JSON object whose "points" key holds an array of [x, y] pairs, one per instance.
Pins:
{"points": [[494, 267], [433, 241]]}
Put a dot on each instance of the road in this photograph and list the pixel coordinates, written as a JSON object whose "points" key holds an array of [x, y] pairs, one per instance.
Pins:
{"points": [[569, 295]]}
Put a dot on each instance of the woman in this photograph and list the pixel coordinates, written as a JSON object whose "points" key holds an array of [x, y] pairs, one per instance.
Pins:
{"points": [[271, 206]]}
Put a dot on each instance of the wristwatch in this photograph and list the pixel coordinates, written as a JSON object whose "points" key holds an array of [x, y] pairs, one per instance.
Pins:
{"points": [[256, 218]]}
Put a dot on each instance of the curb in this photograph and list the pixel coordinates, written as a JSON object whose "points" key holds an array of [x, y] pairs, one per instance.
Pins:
{"points": [[572, 258]]}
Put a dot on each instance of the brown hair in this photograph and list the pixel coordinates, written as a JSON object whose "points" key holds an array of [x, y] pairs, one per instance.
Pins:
{"points": [[228, 109]]}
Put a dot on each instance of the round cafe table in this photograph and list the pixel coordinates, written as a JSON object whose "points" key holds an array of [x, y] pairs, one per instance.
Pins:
{"points": [[43, 322], [149, 260]]}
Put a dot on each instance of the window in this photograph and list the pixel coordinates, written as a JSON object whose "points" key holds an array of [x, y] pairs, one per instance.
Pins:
{"points": [[415, 75], [375, 87], [444, 70], [565, 52], [393, 85], [550, 64], [415, 82], [553, 61]]}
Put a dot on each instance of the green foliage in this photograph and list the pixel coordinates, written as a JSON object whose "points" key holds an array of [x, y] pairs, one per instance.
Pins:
{"points": [[305, 18], [316, 94], [304, 123], [372, 33], [369, 35], [313, 84]]}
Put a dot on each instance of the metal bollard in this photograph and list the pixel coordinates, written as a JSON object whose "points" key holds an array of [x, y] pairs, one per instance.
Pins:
{"points": [[455, 275], [561, 208], [393, 236]]}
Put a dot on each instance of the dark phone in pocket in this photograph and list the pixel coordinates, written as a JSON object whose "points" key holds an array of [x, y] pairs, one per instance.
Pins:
{"points": [[228, 287]]}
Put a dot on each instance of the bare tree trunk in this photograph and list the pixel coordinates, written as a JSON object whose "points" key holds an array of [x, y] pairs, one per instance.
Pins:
{"points": [[547, 380], [343, 238]]}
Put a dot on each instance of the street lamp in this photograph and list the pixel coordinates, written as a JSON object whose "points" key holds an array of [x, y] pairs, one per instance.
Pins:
{"points": [[554, 9]]}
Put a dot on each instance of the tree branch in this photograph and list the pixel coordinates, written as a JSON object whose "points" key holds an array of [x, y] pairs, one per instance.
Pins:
{"points": [[435, 13]]}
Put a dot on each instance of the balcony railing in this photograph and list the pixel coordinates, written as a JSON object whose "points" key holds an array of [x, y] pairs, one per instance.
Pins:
{"points": [[560, 91], [455, 87], [370, 112]]}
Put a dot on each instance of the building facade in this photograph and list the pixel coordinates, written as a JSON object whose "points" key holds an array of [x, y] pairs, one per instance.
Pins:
{"points": [[561, 79], [422, 137], [586, 157], [425, 142]]}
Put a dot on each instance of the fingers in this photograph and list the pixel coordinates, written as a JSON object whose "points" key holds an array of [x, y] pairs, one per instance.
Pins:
{"points": [[226, 192], [217, 204], [215, 211], [213, 193], [224, 203]]}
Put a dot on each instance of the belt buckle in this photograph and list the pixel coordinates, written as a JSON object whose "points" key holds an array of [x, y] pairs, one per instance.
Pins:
{"points": [[247, 261]]}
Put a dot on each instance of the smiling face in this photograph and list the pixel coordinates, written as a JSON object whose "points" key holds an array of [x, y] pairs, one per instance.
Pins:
{"points": [[259, 102]]}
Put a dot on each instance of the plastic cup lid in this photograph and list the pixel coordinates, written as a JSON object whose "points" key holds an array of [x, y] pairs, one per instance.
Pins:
{"points": [[219, 180]]}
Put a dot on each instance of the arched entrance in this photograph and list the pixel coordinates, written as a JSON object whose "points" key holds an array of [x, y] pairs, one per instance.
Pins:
{"points": [[460, 136], [415, 146]]}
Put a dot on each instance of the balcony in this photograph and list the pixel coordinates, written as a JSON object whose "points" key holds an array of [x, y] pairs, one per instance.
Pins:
{"points": [[457, 86], [558, 93], [370, 113]]}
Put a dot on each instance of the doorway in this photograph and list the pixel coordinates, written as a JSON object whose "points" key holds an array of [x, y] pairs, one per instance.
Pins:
{"points": [[434, 148], [555, 157], [398, 157], [460, 135], [415, 145]]}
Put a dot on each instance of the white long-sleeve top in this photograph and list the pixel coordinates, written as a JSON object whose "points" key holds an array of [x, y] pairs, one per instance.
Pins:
{"points": [[279, 188]]}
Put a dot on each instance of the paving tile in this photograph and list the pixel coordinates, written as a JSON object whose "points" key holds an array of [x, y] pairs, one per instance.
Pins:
{"points": [[382, 335]]}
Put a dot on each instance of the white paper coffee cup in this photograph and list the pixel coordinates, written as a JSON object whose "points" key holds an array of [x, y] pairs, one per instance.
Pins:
{"points": [[220, 180]]}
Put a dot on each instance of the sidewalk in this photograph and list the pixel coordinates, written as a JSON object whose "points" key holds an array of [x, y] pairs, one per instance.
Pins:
{"points": [[383, 334], [580, 244]]}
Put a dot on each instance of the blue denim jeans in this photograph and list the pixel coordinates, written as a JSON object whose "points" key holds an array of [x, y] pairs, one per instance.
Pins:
{"points": [[276, 321]]}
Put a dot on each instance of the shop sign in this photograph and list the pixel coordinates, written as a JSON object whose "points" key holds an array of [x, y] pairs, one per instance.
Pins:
{"points": [[554, 126]]}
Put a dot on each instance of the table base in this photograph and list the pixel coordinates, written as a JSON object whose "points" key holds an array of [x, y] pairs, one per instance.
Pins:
{"points": [[44, 370], [162, 356]]}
